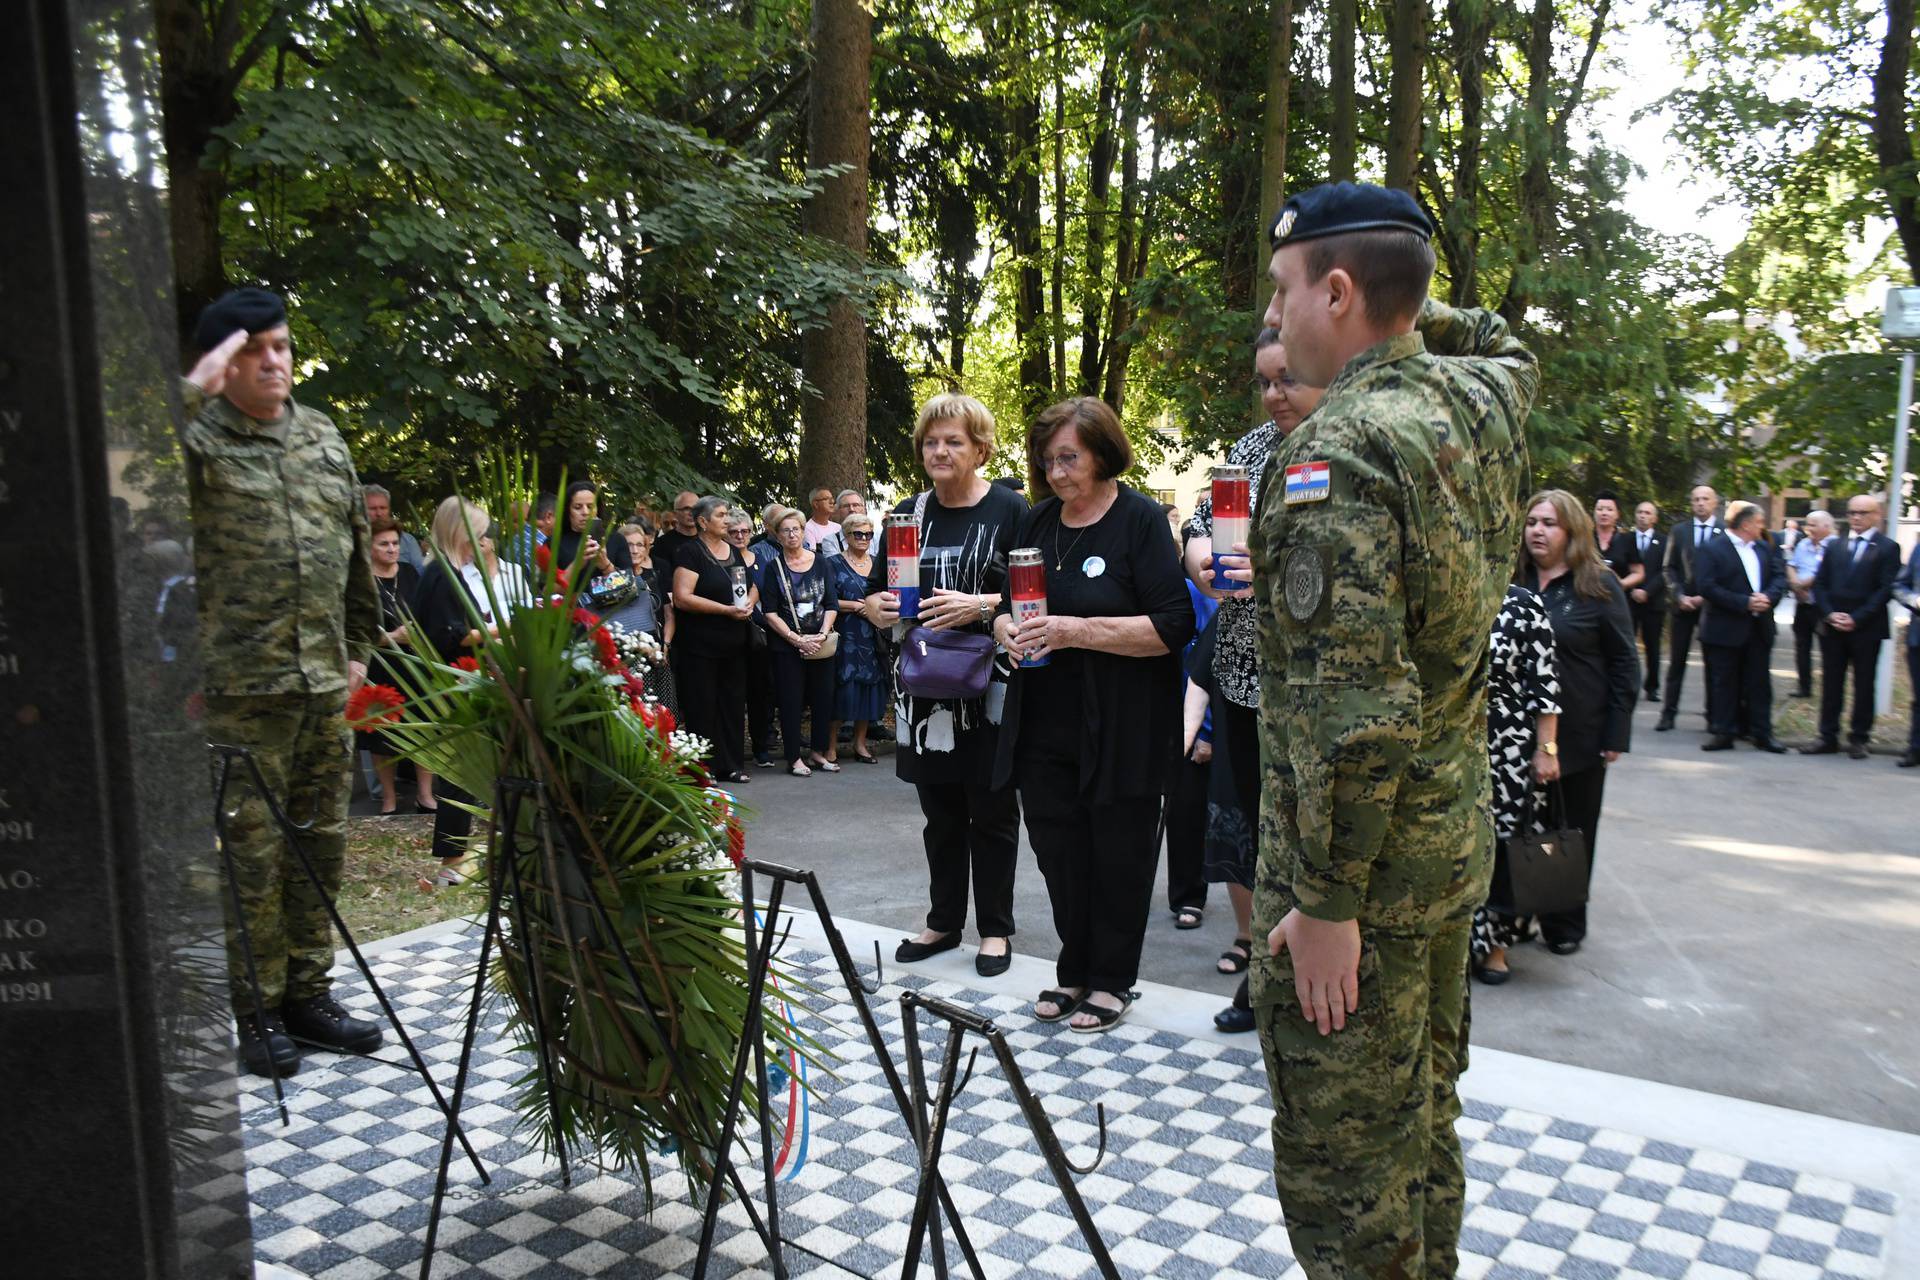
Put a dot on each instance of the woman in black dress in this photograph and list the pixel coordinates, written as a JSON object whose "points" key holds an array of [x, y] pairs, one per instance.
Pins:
{"points": [[1091, 737], [713, 598], [1616, 548], [796, 596], [947, 745], [1523, 723], [397, 582], [1599, 671]]}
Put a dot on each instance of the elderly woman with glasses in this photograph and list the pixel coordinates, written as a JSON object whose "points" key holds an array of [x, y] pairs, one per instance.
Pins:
{"points": [[861, 695], [798, 599], [1092, 736]]}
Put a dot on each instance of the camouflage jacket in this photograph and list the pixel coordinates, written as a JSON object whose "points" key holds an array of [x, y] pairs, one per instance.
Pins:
{"points": [[279, 549], [1382, 548]]}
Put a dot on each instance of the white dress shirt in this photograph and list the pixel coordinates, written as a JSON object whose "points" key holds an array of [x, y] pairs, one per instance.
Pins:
{"points": [[1749, 560]]}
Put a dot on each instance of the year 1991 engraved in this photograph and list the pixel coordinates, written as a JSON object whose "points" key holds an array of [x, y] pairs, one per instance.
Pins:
{"points": [[25, 992]]}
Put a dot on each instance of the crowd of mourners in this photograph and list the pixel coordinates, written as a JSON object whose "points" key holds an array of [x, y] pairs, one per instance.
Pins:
{"points": [[1122, 718]]}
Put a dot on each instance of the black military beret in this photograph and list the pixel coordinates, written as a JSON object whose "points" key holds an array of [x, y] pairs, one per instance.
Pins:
{"points": [[254, 310], [1340, 207]]}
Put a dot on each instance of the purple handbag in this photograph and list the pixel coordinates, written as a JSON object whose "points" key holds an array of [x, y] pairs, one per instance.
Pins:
{"points": [[946, 664]]}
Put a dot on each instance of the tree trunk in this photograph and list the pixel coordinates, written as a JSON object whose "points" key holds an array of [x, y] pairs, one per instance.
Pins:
{"points": [[1472, 24], [1407, 62], [1093, 291], [1892, 136], [1023, 226], [1127, 228], [1059, 265], [193, 105], [1536, 177], [833, 437], [1116, 389], [1273, 129], [1343, 138]]}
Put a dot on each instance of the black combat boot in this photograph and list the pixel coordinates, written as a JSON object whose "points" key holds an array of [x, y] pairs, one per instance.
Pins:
{"points": [[321, 1020], [269, 1054]]}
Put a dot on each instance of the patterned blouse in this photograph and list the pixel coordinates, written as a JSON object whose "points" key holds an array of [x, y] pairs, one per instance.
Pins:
{"points": [[1523, 683], [1235, 644]]}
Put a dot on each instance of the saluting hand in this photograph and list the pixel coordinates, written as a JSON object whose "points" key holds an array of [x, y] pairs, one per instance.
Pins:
{"points": [[210, 374], [1326, 966]]}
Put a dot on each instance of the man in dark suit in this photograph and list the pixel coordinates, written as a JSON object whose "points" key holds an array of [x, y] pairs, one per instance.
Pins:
{"points": [[1649, 599], [1741, 578], [1907, 591], [1684, 542], [1852, 588]]}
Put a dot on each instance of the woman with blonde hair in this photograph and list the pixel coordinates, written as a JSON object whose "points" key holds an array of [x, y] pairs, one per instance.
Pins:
{"points": [[452, 594], [947, 745], [1599, 668], [860, 694]]}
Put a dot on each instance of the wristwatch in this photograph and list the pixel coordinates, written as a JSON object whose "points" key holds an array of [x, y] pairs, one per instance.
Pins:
{"points": [[1551, 748], [986, 609]]}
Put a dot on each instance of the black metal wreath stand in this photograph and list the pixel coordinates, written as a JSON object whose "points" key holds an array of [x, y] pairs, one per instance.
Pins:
{"points": [[931, 1131], [506, 899], [761, 948], [292, 832]]}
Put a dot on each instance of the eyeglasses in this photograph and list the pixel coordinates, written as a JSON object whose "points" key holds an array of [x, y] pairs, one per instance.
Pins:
{"points": [[1065, 460], [861, 533], [738, 533], [1285, 380]]}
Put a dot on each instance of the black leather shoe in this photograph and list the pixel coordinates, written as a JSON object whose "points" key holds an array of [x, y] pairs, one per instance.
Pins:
{"points": [[992, 966], [271, 1054], [909, 951], [1772, 746], [1233, 1019], [1911, 760], [1565, 947], [323, 1021], [1821, 748], [1857, 751], [1719, 742], [1664, 723], [1801, 694]]}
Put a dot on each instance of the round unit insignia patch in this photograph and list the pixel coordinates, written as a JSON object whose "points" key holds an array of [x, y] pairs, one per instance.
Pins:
{"points": [[1304, 581]]}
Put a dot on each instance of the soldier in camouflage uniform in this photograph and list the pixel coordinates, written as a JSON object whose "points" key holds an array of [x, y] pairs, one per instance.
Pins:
{"points": [[288, 612], [1383, 544]]}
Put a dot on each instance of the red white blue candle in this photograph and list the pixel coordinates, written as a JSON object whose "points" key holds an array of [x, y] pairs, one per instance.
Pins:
{"points": [[903, 561], [1232, 519], [1027, 590]]}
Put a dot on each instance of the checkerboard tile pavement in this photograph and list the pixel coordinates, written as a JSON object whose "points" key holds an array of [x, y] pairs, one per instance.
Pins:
{"points": [[1184, 1191]]}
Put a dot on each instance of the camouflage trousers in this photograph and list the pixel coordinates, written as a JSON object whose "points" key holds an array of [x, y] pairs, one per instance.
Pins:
{"points": [[305, 752], [1369, 1169]]}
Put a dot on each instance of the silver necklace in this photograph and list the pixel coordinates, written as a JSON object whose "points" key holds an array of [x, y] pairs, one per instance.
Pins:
{"points": [[1059, 556]]}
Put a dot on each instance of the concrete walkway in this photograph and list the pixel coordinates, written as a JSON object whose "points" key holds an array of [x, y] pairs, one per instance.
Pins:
{"points": [[1755, 928]]}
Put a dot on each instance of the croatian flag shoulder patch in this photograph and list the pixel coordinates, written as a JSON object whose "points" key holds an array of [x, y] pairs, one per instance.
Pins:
{"points": [[1309, 482]]}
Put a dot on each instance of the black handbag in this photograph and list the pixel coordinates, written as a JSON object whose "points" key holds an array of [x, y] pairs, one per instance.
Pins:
{"points": [[1547, 871]]}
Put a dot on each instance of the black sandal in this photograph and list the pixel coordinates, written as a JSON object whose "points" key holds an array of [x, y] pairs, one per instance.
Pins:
{"points": [[1237, 957], [1107, 1018], [1188, 918], [1060, 1000]]}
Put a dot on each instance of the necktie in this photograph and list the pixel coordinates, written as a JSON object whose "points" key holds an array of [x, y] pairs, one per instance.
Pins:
{"points": [[1859, 545], [1699, 532]]}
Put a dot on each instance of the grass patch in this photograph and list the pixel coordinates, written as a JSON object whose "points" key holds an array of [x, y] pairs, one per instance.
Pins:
{"points": [[380, 893]]}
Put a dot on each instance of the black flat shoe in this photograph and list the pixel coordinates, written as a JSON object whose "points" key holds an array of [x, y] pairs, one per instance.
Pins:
{"points": [[1664, 723], [1233, 1020], [1772, 746], [1911, 760], [1719, 742], [1858, 751], [909, 951], [1822, 748], [992, 966], [1564, 947]]}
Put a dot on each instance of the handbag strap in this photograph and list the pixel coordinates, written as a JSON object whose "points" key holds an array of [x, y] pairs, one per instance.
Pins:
{"points": [[1556, 806]]}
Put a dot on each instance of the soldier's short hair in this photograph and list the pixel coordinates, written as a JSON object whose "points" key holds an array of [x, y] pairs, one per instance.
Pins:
{"points": [[1392, 268], [1100, 431]]}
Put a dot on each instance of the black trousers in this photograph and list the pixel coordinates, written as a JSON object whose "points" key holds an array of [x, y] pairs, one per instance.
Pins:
{"points": [[1187, 836], [971, 832], [799, 685], [451, 824], [1581, 794], [1740, 687], [760, 698], [1098, 861], [1683, 628], [1650, 621], [1806, 629], [713, 695], [1841, 653]]}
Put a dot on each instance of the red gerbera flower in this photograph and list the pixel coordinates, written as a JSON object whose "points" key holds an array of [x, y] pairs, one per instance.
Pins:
{"points": [[467, 664], [560, 578], [586, 618], [663, 720], [373, 704], [609, 649], [736, 841], [543, 556]]}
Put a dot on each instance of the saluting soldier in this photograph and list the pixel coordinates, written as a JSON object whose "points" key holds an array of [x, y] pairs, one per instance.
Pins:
{"points": [[288, 614], [1385, 537]]}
